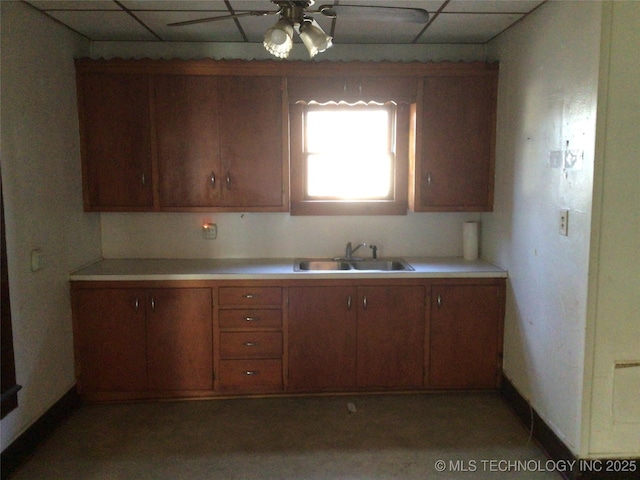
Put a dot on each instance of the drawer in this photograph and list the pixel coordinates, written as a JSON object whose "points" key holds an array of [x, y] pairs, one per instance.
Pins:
{"points": [[250, 344], [251, 375], [247, 296], [250, 318]]}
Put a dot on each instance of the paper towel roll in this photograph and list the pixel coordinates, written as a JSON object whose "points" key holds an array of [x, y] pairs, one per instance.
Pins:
{"points": [[470, 240]]}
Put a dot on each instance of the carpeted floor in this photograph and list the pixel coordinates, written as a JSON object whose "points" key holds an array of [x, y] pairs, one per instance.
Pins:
{"points": [[474, 435]]}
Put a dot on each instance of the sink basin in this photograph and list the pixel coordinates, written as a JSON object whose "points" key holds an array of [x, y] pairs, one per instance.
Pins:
{"points": [[308, 265], [382, 265]]}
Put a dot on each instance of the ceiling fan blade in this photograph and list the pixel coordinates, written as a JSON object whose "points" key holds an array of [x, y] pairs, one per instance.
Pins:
{"points": [[382, 14], [256, 13]]}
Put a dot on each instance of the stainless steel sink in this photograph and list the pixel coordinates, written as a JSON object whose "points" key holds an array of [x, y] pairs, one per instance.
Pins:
{"points": [[308, 265], [327, 264], [382, 265]]}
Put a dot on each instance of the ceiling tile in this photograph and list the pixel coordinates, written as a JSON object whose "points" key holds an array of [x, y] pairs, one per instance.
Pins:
{"points": [[354, 31], [75, 5], [202, 5], [467, 27], [492, 6], [104, 25], [217, 31]]}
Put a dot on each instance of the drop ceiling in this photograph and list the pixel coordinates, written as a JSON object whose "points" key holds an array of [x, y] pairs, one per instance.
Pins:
{"points": [[450, 22]]}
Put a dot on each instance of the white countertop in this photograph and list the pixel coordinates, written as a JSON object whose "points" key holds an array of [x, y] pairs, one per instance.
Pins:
{"points": [[271, 268]]}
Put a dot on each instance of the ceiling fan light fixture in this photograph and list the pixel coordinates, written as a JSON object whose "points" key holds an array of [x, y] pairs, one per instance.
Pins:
{"points": [[278, 40], [314, 37]]}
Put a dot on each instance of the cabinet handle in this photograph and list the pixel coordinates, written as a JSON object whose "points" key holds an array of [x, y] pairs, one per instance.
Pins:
{"points": [[213, 179], [429, 179], [228, 179], [364, 302], [153, 304], [137, 304], [248, 295], [143, 179], [349, 302], [251, 372], [250, 319], [250, 344], [439, 301]]}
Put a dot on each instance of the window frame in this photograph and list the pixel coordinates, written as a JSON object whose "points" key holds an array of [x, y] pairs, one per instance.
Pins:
{"points": [[396, 204]]}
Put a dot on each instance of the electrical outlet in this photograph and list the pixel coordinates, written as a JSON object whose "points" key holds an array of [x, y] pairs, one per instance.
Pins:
{"points": [[210, 231], [564, 222]]}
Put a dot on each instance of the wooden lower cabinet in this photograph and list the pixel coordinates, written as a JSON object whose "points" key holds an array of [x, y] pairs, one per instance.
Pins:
{"points": [[179, 339], [466, 336], [184, 339], [110, 340], [322, 338], [364, 337], [143, 340], [251, 346]]}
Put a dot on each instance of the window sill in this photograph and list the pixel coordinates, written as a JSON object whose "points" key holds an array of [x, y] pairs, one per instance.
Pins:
{"points": [[326, 207]]}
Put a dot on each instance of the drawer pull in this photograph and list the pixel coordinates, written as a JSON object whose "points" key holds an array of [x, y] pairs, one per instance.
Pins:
{"points": [[248, 295], [251, 372], [250, 344], [250, 319]]}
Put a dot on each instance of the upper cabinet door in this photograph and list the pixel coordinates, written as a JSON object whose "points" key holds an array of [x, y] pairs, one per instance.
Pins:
{"points": [[251, 142], [187, 122], [455, 146], [116, 153]]}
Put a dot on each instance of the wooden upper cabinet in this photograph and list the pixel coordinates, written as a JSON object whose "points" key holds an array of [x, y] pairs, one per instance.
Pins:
{"points": [[219, 142], [251, 143], [455, 144], [187, 121], [115, 133]]}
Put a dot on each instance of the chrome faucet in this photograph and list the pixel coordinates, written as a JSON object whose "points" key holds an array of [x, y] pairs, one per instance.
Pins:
{"points": [[350, 250]]}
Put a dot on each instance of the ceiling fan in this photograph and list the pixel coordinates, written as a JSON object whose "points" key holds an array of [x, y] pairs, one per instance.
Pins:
{"points": [[295, 15]]}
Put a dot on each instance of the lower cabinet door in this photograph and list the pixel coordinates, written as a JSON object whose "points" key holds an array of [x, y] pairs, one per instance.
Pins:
{"points": [[465, 337], [179, 339], [110, 340], [390, 347], [263, 375], [322, 338]]}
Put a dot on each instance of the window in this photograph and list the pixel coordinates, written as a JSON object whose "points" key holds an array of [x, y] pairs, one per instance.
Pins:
{"points": [[349, 158]]}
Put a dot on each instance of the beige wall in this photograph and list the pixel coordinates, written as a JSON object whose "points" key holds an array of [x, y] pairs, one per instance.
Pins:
{"points": [[612, 386], [43, 203], [546, 104]]}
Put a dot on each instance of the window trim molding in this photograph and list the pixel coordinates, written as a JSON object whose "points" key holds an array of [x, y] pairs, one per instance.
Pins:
{"points": [[398, 205]]}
